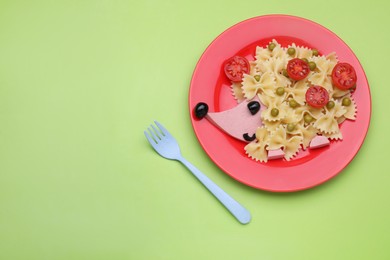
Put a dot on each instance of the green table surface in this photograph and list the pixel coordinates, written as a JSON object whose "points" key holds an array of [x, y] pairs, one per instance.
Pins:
{"points": [[81, 80]]}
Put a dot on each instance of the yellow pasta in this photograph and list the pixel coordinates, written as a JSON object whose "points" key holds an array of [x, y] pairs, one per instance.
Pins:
{"points": [[327, 123], [306, 109], [298, 91], [271, 125], [338, 93], [279, 140], [237, 92], [275, 102], [351, 110], [257, 148], [251, 87], [336, 136], [303, 52], [308, 133]]}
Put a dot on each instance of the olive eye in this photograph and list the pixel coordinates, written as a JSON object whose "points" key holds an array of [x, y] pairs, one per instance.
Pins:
{"points": [[254, 107]]}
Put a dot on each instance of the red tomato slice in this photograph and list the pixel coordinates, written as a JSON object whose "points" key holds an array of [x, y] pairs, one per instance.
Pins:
{"points": [[317, 96], [236, 67], [297, 69], [344, 76]]}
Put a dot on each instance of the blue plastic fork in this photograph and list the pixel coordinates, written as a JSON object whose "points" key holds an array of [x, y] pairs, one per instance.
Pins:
{"points": [[166, 145]]}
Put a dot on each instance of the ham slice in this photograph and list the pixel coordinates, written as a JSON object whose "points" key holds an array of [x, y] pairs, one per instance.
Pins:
{"points": [[275, 154], [238, 120], [319, 141]]}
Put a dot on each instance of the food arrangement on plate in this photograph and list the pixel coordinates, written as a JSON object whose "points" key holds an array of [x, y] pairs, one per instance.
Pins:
{"points": [[289, 98], [248, 112]]}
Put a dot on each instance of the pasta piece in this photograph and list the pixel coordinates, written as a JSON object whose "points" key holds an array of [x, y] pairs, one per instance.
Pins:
{"points": [[266, 114], [251, 86], [323, 80], [308, 133], [303, 52], [327, 123], [336, 136], [278, 51], [306, 109], [290, 146], [350, 110], [294, 46], [271, 125], [291, 116], [237, 92], [256, 149], [341, 119], [322, 73], [267, 100], [338, 93], [278, 139], [262, 54], [253, 69], [338, 110], [332, 57], [275, 66], [273, 103], [298, 91], [324, 65]]}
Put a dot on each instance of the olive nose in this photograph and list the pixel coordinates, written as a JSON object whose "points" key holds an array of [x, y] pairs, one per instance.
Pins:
{"points": [[201, 110]]}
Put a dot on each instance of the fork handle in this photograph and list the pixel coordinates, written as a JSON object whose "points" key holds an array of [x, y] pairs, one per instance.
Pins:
{"points": [[237, 210]]}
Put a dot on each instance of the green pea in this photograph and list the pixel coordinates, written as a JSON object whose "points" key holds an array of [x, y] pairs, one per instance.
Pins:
{"points": [[308, 118], [305, 60], [315, 52], [271, 46], [284, 72], [274, 112], [291, 51], [346, 102], [293, 103], [312, 65], [257, 77], [290, 127], [330, 104], [280, 91]]}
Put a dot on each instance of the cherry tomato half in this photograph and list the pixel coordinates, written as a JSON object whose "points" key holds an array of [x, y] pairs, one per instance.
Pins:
{"points": [[297, 69], [317, 96], [236, 67], [344, 76]]}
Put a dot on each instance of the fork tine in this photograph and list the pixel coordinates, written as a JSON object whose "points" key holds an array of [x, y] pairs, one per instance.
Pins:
{"points": [[158, 133], [165, 131], [153, 134], [150, 139]]}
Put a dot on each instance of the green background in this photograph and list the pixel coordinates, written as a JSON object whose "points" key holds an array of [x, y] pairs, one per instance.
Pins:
{"points": [[81, 80]]}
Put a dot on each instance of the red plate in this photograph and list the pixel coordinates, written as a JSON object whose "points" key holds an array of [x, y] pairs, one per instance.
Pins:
{"points": [[210, 85]]}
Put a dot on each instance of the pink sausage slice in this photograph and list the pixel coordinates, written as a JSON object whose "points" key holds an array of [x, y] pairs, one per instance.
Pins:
{"points": [[275, 154], [318, 142], [238, 120]]}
